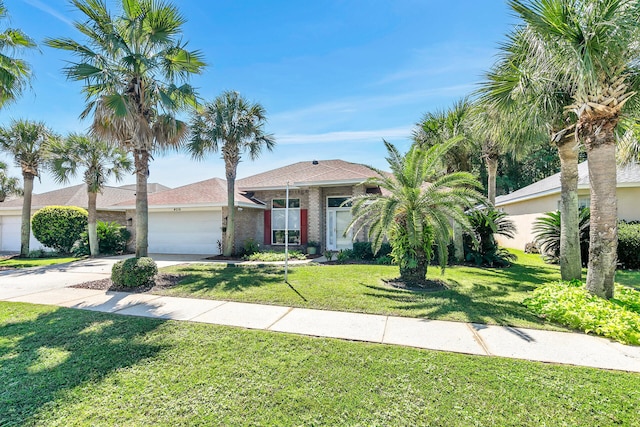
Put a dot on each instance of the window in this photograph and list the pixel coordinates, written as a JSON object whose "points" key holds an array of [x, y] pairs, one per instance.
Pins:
{"points": [[337, 202], [278, 219], [584, 202]]}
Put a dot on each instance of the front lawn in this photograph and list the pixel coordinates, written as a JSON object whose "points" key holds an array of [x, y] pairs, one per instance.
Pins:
{"points": [[62, 367], [17, 262], [490, 296]]}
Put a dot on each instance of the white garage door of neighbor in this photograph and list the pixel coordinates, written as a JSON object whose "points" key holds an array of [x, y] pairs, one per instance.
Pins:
{"points": [[185, 232], [10, 234]]}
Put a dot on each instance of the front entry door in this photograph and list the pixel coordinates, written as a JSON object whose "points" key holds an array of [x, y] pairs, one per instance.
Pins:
{"points": [[337, 222]]}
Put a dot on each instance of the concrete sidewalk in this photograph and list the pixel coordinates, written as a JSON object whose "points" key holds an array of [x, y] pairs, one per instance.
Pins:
{"points": [[518, 343]]}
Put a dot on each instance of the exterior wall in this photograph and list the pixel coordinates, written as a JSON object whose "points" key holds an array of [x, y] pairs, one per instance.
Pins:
{"points": [[249, 225], [525, 213], [130, 222], [629, 203], [315, 215], [113, 216]]}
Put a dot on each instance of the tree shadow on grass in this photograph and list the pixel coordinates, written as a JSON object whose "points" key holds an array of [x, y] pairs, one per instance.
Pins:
{"points": [[200, 281], [482, 304], [43, 356]]}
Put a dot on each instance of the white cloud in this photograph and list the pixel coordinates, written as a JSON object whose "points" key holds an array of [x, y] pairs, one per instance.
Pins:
{"points": [[49, 10]]}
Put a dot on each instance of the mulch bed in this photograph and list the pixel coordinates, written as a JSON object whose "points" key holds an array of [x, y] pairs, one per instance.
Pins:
{"points": [[425, 286], [161, 281]]}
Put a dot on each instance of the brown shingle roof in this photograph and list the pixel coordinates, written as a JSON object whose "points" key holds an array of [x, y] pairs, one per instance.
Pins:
{"points": [[307, 173], [72, 196], [211, 192]]}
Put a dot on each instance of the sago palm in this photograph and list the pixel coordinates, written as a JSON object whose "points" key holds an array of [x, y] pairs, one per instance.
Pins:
{"points": [[99, 161], [594, 47], [28, 143], [14, 72], [416, 207], [234, 126], [134, 66]]}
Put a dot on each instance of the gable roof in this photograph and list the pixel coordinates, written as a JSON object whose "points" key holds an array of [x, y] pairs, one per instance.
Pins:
{"points": [[627, 176], [310, 173], [75, 195], [211, 192]]}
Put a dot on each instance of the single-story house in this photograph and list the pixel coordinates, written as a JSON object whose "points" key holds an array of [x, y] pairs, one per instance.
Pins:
{"points": [[192, 219], [11, 210], [527, 204]]}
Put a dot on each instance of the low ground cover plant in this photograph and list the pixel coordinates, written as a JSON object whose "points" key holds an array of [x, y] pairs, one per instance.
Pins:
{"points": [[272, 256], [570, 304]]}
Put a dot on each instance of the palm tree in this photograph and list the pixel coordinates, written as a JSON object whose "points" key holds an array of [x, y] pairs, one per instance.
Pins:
{"points": [[28, 143], [100, 161], [233, 125], [593, 47], [135, 69], [14, 72], [437, 128], [8, 186], [519, 86], [415, 208]]}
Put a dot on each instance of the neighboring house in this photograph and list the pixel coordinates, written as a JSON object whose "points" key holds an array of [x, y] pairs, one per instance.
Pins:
{"points": [[11, 210], [529, 203], [192, 219]]}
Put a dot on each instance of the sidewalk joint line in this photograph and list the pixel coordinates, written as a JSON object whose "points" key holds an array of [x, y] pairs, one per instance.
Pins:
{"points": [[384, 331], [278, 319]]}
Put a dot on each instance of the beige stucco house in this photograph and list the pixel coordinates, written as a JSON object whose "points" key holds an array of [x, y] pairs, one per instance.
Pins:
{"points": [[528, 203]]}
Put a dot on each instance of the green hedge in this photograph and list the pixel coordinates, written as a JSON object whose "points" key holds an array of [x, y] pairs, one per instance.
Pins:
{"points": [[58, 227], [133, 272], [629, 246]]}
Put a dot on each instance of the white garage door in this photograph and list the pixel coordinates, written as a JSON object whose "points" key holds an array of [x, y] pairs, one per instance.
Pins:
{"points": [[10, 234], [185, 232]]}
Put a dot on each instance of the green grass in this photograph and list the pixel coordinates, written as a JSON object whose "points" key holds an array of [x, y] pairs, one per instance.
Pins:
{"points": [[492, 296], [62, 367], [34, 262]]}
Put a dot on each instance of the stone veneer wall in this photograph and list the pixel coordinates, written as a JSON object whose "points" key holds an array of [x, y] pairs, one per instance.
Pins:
{"points": [[249, 225], [113, 216]]}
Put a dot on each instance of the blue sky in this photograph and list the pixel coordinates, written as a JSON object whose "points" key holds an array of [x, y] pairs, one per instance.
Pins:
{"points": [[335, 76]]}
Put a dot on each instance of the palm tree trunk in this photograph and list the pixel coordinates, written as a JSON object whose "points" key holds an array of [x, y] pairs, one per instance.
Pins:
{"points": [[25, 230], [570, 261], [492, 171], [92, 226], [230, 170], [599, 140], [415, 275], [141, 160]]}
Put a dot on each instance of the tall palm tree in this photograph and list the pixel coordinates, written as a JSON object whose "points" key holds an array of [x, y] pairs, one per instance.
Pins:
{"points": [[234, 126], [135, 68], [519, 86], [100, 161], [14, 72], [439, 127], [594, 48], [28, 143], [415, 208], [9, 186]]}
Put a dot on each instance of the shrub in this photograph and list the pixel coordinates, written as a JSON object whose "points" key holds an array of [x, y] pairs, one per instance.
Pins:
{"points": [[112, 239], [547, 232], [250, 247], [133, 272], [629, 245], [384, 260], [362, 250], [481, 247], [58, 227], [345, 255], [572, 305]]}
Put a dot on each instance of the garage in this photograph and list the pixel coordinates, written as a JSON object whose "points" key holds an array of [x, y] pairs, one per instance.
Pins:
{"points": [[10, 234], [185, 232]]}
